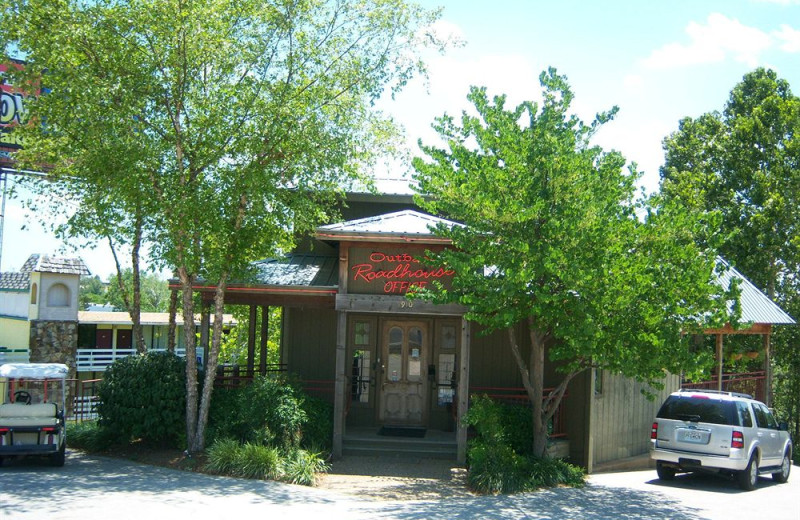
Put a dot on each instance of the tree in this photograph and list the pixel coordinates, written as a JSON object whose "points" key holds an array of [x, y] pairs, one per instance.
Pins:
{"points": [[92, 290], [216, 129], [743, 163], [154, 291], [551, 240]]}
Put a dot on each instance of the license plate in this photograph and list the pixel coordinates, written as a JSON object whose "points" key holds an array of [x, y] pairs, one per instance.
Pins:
{"points": [[694, 436]]}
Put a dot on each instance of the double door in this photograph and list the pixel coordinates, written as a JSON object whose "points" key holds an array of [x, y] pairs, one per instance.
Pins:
{"points": [[404, 382]]}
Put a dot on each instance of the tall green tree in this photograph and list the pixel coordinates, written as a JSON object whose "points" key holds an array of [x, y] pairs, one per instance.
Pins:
{"points": [[154, 292], [225, 127], [743, 163], [551, 240]]}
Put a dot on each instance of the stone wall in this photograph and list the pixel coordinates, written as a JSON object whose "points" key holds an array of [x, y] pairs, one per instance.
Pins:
{"points": [[56, 342]]}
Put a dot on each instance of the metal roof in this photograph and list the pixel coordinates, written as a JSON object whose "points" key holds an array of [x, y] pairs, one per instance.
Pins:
{"points": [[406, 223], [301, 269], [756, 306]]}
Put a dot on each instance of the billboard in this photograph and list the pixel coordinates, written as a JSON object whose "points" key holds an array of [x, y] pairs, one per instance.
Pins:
{"points": [[12, 112]]}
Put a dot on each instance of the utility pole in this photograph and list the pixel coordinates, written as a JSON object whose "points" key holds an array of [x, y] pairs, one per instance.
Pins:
{"points": [[4, 182]]}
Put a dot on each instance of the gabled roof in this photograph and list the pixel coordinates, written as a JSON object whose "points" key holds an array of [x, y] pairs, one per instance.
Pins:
{"points": [[53, 264], [41, 264], [404, 226], [756, 306]]}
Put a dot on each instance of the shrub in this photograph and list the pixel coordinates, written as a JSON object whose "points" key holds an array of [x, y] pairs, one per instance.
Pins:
{"points": [[88, 436], [318, 426], [229, 457], [144, 397], [500, 458], [267, 412]]}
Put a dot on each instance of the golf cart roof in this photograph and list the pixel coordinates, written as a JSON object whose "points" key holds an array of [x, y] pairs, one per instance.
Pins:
{"points": [[34, 370]]}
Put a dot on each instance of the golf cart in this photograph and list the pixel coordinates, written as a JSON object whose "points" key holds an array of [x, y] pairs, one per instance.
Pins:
{"points": [[32, 410]]}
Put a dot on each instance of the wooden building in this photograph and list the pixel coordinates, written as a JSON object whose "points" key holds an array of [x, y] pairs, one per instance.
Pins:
{"points": [[386, 360]]}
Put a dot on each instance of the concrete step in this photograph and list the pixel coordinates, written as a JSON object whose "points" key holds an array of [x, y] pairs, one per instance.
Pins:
{"points": [[399, 446]]}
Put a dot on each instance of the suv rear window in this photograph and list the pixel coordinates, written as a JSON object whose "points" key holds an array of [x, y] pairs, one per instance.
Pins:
{"points": [[699, 409]]}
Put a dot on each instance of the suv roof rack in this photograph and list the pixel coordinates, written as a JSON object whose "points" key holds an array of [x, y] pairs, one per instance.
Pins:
{"points": [[719, 392]]}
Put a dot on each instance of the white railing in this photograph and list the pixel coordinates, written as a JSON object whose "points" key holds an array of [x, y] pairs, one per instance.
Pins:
{"points": [[98, 360], [13, 355]]}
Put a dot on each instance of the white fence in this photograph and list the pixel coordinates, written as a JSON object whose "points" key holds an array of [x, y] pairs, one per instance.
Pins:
{"points": [[98, 360]]}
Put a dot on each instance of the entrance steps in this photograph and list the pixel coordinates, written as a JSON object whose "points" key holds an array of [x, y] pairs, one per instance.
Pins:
{"points": [[366, 441]]}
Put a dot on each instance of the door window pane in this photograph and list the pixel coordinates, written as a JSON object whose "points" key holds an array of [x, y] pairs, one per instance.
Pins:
{"points": [[359, 384], [362, 333], [448, 340], [394, 363], [415, 354]]}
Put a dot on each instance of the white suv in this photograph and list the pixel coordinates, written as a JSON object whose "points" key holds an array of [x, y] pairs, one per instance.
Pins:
{"points": [[724, 432]]}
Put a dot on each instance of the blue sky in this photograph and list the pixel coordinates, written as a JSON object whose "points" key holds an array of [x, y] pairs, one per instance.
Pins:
{"points": [[658, 61]]}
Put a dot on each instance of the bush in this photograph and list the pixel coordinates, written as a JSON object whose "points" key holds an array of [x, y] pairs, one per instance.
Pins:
{"points": [[229, 457], [318, 427], [500, 458], [88, 436], [268, 412], [144, 397]]}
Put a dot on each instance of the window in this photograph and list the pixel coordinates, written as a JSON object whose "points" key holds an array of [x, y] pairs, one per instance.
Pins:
{"points": [[361, 362], [58, 295], [34, 293], [764, 417], [745, 419], [394, 365]]}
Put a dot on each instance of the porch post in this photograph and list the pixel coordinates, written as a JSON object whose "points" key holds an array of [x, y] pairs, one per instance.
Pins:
{"points": [[262, 359], [767, 370], [463, 392], [251, 341], [719, 362], [340, 383]]}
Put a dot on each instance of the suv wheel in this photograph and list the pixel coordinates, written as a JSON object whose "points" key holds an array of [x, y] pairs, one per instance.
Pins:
{"points": [[749, 477], [665, 472], [786, 466]]}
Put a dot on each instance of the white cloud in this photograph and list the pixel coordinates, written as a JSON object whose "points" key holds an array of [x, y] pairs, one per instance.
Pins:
{"points": [[712, 42], [789, 37]]}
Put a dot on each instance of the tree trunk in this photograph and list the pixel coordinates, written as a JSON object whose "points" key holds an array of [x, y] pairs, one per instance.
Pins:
{"points": [[187, 281], [211, 366], [173, 310], [537, 399], [136, 310]]}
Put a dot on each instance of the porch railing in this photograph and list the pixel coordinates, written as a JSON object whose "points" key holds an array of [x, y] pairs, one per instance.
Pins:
{"points": [[98, 360], [13, 355], [518, 396], [752, 383]]}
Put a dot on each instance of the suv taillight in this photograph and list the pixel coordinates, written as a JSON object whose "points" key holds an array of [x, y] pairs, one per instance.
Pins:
{"points": [[737, 440], [654, 431]]}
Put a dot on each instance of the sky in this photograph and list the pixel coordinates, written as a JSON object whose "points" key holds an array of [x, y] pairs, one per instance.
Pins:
{"points": [[657, 60]]}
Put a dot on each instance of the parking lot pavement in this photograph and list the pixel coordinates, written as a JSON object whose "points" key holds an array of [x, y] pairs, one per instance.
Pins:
{"points": [[90, 488]]}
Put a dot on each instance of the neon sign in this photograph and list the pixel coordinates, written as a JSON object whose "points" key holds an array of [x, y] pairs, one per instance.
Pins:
{"points": [[395, 273]]}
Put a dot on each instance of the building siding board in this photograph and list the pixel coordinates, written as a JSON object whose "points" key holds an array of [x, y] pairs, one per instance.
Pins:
{"points": [[622, 417], [311, 342]]}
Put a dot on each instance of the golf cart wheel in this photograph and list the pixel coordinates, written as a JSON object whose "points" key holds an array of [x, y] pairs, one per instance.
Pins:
{"points": [[57, 459]]}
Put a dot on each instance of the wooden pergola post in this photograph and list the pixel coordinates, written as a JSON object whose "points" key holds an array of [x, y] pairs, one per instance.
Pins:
{"points": [[251, 341], [463, 393], [262, 360], [767, 370], [720, 361]]}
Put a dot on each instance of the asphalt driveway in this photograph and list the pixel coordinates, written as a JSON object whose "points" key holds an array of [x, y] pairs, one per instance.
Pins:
{"points": [[90, 487]]}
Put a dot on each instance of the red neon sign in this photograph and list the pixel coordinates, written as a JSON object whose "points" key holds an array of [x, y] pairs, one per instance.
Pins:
{"points": [[403, 274]]}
